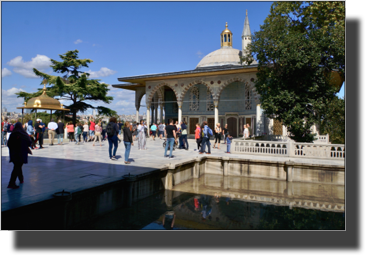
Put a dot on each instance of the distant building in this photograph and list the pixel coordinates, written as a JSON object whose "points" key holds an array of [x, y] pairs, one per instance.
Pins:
{"points": [[4, 110]]}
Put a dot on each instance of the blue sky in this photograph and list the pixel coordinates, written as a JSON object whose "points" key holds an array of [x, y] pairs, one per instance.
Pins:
{"points": [[122, 39]]}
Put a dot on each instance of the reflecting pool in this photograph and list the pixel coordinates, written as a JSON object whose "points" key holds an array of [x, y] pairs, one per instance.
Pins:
{"points": [[215, 202]]}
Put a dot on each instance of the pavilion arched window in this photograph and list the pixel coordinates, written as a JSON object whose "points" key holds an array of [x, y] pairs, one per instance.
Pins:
{"points": [[248, 98], [194, 99], [210, 101]]}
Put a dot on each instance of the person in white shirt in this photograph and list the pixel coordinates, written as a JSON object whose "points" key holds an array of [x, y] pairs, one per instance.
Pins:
{"points": [[141, 135], [52, 126], [245, 132], [85, 131]]}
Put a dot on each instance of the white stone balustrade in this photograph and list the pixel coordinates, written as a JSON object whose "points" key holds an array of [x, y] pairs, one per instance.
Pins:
{"points": [[288, 148], [313, 150], [322, 139], [241, 146]]}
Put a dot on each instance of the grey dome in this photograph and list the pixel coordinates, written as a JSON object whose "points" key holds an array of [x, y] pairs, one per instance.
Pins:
{"points": [[221, 57]]}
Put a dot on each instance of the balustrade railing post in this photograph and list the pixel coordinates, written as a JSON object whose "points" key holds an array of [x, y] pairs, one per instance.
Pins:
{"points": [[289, 170], [290, 146]]}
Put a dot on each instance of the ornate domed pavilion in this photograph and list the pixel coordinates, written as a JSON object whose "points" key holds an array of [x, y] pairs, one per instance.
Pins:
{"points": [[219, 90]]}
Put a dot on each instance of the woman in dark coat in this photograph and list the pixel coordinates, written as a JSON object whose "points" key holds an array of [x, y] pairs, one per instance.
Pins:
{"points": [[18, 143]]}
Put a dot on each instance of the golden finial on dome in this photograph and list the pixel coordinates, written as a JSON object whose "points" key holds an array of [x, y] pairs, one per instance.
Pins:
{"points": [[44, 88], [226, 37]]}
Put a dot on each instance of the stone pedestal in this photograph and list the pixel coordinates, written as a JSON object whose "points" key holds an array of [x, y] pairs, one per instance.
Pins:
{"points": [[169, 181]]}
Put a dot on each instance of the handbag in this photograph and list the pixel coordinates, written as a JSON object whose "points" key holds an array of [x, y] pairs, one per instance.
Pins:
{"points": [[184, 132]]}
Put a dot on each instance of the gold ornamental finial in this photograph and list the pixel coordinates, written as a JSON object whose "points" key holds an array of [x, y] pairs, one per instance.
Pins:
{"points": [[226, 25], [44, 88], [246, 12], [25, 104]]}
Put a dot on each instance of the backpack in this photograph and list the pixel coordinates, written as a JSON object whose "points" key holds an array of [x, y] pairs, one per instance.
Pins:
{"points": [[79, 130], [110, 130], [207, 132], [10, 127]]}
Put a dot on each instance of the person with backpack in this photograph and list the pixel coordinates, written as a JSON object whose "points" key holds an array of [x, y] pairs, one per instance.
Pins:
{"points": [[4, 133], [207, 133], [112, 136]]}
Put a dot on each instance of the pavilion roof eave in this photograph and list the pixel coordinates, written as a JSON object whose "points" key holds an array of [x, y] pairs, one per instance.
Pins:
{"points": [[206, 71], [44, 108], [128, 86]]}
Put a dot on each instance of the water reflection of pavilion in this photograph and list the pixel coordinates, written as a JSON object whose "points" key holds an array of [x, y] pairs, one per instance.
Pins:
{"points": [[243, 202]]}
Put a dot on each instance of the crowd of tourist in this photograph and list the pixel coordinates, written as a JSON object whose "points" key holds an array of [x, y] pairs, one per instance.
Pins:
{"points": [[22, 139]]}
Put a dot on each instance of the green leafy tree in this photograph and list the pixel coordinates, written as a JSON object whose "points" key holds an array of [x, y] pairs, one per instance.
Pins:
{"points": [[74, 85], [333, 122], [301, 62]]}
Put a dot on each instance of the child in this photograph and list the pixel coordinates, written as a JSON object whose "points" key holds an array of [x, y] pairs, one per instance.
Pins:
{"points": [[229, 141]]}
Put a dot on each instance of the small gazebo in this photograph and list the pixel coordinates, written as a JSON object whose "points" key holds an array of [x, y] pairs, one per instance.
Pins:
{"points": [[43, 102]]}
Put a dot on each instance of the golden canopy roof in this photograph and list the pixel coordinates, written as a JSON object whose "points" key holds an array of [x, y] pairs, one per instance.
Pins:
{"points": [[43, 102]]}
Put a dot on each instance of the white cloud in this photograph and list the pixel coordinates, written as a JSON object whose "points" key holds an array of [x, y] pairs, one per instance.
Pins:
{"points": [[124, 103], [199, 54], [5, 72], [10, 92], [103, 72], [40, 62], [25, 72], [78, 41], [10, 100]]}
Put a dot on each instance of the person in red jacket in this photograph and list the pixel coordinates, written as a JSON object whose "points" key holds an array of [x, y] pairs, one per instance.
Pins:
{"points": [[92, 130], [198, 137]]}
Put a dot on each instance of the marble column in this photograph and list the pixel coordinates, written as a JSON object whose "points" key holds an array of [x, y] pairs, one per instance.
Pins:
{"points": [[259, 121], [216, 113], [155, 113], [161, 112], [179, 112], [152, 119], [147, 115], [137, 115], [271, 125]]}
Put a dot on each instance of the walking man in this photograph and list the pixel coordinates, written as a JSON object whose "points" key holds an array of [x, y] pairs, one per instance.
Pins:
{"points": [[170, 134], [39, 133], [206, 139], [52, 126], [60, 132]]}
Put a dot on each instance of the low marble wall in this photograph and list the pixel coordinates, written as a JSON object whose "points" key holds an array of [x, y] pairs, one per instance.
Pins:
{"points": [[288, 171]]}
